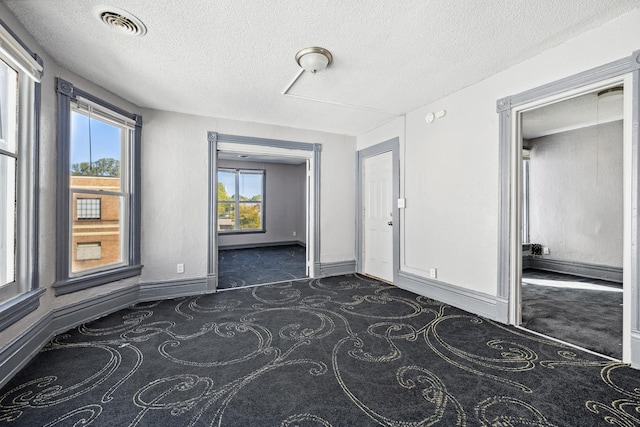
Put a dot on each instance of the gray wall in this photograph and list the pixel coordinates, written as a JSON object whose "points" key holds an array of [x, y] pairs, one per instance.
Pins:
{"points": [[174, 190], [576, 194], [47, 170], [285, 204]]}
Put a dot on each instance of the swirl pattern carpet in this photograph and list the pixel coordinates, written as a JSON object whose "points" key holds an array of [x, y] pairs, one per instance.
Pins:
{"points": [[337, 351]]}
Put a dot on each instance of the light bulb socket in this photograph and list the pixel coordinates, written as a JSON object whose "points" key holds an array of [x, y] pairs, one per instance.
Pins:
{"points": [[617, 90]]}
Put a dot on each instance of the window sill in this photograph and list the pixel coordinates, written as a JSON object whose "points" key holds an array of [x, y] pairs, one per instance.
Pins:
{"points": [[226, 233], [18, 307], [95, 279]]}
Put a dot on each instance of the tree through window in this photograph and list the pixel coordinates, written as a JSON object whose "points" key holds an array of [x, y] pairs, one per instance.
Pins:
{"points": [[241, 200]]}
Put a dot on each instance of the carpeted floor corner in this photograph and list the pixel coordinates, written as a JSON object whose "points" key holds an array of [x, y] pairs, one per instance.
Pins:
{"points": [[338, 351]]}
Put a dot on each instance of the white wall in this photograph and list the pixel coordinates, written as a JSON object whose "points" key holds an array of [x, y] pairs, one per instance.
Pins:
{"points": [[284, 202], [449, 169], [174, 187], [575, 194]]}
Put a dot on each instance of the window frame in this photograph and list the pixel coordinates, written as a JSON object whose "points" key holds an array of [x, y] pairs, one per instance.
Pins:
{"points": [[22, 295], [526, 165], [237, 202], [67, 281]]}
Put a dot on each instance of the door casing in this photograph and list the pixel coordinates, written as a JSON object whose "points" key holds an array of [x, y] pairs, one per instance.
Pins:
{"points": [[392, 145]]}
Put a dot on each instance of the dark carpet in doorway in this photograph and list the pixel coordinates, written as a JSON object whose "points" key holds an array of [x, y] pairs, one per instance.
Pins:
{"points": [[589, 318], [254, 266]]}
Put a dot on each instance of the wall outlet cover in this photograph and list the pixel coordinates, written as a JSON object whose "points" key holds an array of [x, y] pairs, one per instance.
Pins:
{"points": [[433, 273], [545, 251]]}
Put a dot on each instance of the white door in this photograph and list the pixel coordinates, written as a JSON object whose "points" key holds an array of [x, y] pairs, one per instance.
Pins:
{"points": [[378, 212]]}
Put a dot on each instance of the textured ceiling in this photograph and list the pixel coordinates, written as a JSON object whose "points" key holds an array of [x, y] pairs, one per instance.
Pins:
{"points": [[233, 58]]}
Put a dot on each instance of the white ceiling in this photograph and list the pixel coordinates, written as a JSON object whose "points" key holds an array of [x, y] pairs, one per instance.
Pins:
{"points": [[574, 113], [233, 58], [260, 158]]}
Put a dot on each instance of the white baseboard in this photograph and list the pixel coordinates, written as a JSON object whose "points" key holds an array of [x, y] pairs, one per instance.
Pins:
{"points": [[335, 268], [466, 299]]}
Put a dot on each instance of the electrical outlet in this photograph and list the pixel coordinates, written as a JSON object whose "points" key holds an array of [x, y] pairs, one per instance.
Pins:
{"points": [[433, 273], [180, 268], [545, 251], [294, 234]]}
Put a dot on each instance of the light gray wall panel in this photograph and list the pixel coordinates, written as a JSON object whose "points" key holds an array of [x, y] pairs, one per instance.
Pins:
{"points": [[576, 194]]}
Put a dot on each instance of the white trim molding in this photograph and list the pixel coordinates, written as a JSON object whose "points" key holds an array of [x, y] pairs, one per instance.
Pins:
{"points": [[466, 299]]}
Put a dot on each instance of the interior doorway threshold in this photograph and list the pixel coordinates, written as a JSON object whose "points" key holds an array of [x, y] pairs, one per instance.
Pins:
{"points": [[370, 276], [262, 284], [568, 344]]}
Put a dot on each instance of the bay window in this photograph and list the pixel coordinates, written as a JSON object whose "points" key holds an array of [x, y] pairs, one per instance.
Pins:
{"points": [[99, 191], [20, 72]]}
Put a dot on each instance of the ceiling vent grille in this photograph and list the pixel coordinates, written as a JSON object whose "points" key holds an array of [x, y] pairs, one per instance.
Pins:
{"points": [[120, 20]]}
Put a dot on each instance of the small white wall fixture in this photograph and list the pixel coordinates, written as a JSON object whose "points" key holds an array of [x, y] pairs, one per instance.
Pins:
{"points": [[625, 71]]}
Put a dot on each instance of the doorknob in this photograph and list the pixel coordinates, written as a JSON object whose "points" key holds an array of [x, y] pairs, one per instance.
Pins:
{"points": [[390, 223]]}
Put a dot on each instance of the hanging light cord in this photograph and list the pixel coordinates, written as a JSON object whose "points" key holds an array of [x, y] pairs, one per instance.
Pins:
{"points": [[90, 159], [597, 138]]}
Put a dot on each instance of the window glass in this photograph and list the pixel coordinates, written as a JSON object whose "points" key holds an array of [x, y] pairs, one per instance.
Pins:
{"points": [[8, 108], [250, 186], [250, 216], [7, 219], [96, 146], [243, 211], [226, 185], [8, 167], [98, 196]]}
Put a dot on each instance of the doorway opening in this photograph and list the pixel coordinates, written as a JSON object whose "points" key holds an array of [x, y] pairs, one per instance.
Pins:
{"points": [[571, 217], [264, 202], [378, 219]]}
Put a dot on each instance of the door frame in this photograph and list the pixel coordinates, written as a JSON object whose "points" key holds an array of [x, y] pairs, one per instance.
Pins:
{"points": [[509, 236], [252, 145], [392, 145]]}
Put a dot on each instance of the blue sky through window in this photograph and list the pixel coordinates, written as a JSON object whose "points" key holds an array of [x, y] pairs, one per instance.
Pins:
{"points": [[250, 184], [105, 139]]}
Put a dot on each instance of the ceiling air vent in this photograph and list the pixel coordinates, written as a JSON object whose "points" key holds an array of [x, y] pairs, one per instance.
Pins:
{"points": [[120, 20]]}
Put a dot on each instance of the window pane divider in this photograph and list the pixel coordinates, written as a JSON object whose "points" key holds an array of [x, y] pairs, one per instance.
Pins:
{"points": [[96, 192]]}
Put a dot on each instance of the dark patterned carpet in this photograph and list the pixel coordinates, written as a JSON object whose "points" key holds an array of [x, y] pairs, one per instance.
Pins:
{"points": [[563, 306], [254, 266], [340, 351]]}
